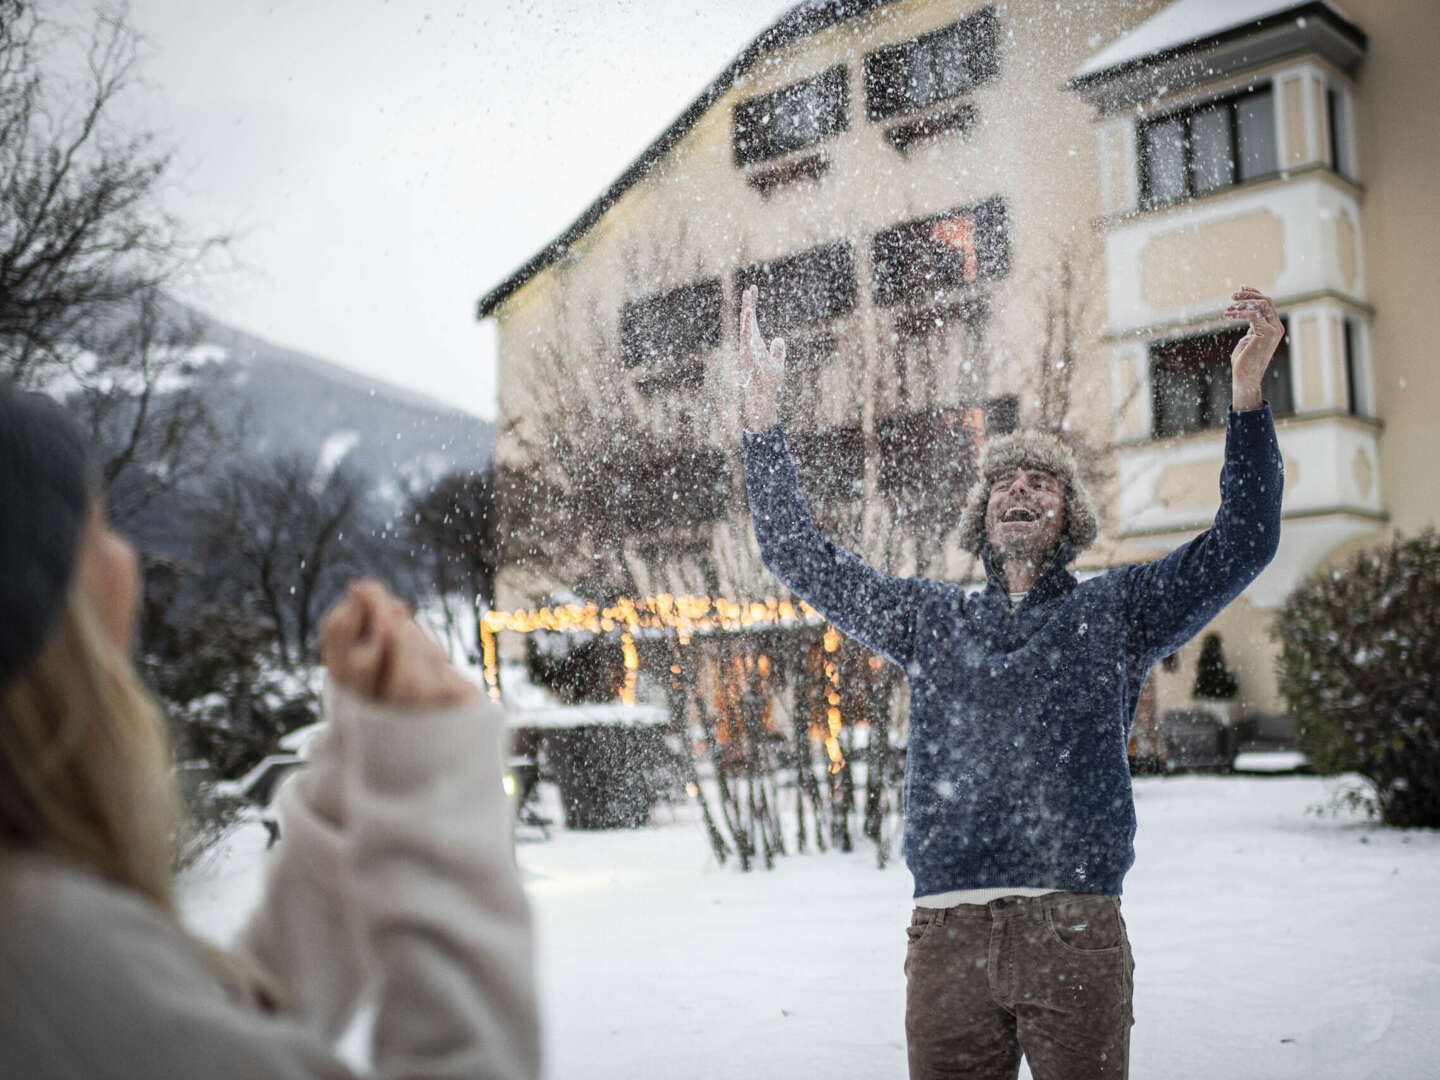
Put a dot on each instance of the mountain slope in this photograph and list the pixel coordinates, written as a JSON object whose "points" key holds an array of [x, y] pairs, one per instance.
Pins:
{"points": [[292, 403]]}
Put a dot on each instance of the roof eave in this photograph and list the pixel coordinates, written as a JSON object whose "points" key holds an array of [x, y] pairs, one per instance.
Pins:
{"points": [[1313, 26], [799, 22]]}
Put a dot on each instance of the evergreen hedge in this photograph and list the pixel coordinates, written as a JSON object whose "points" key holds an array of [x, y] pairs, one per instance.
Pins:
{"points": [[1360, 669]]}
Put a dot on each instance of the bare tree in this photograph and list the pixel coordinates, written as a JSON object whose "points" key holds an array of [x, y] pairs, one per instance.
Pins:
{"points": [[294, 535], [452, 536], [142, 396], [82, 229]]}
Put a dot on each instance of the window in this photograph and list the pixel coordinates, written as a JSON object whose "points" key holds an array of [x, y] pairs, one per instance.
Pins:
{"points": [[1002, 415], [927, 462], [796, 116], [806, 358], [664, 335], [829, 463], [1357, 386], [958, 247], [913, 74], [1190, 381], [1337, 111], [666, 496], [811, 287], [1204, 149]]}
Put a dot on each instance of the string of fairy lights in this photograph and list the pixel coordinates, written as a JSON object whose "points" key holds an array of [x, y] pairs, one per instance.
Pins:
{"points": [[684, 616]]}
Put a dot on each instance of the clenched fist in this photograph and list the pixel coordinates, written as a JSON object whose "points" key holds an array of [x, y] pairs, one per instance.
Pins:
{"points": [[373, 648]]}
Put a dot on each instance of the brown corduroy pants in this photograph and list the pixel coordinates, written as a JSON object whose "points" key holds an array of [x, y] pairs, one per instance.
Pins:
{"points": [[1047, 976]]}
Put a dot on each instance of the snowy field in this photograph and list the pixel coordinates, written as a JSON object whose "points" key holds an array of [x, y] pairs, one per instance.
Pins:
{"points": [[1269, 942]]}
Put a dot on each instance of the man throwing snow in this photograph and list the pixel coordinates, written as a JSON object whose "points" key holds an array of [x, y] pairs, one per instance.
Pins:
{"points": [[1019, 817]]}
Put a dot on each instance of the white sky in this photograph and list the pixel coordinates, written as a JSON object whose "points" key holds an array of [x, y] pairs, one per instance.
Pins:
{"points": [[386, 163]]}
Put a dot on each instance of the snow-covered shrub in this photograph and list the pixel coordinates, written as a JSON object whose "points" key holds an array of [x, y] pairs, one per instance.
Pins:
{"points": [[228, 698], [211, 813], [1360, 670]]}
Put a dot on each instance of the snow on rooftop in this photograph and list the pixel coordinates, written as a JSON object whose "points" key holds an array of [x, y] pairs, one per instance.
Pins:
{"points": [[1186, 21]]}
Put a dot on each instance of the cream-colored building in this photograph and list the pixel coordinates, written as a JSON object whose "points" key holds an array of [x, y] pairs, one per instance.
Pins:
{"points": [[965, 215], [1284, 148]]}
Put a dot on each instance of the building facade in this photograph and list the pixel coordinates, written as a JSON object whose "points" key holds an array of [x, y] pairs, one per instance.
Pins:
{"points": [[1269, 150], [966, 216]]}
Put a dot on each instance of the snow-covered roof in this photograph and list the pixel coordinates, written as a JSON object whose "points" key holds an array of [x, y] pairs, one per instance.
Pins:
{"points": [[612, 714], [1191, 22]]}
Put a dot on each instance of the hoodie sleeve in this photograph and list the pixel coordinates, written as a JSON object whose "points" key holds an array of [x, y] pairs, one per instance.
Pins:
{"points": [[437, 893], [874, 608], [395, 875], [303, 931], [1171, 600]]}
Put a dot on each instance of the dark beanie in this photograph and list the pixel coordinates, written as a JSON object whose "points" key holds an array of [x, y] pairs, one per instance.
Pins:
{"points": [[46, 487]]}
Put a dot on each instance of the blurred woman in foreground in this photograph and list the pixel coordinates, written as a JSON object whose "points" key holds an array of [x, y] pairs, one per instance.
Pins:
{"points": [[394, 880]]}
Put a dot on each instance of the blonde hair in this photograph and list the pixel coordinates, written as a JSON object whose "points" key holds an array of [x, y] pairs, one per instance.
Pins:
{"points": [[86, 776], [85, 769]]}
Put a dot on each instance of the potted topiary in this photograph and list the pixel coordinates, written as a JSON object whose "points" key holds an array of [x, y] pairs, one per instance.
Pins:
{"points": [[1215, 686]]}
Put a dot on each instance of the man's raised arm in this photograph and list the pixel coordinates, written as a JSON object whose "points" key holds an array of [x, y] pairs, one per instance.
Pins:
{"points": [[1171, 599], [874, 608]]}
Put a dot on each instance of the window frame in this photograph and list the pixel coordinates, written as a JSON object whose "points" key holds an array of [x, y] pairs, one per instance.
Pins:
{"points": [[1230, 335], [881, 102], [1356, 362], [1341, 149], [1186, 114], [682, 366], [833, 80], [770, 275], [990, 219]]}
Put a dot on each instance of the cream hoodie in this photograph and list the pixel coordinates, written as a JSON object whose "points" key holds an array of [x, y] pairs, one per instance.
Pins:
{"points": [[394, 877]]}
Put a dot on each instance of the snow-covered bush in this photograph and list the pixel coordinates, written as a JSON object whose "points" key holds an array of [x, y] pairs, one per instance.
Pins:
{"points": [[1360, 670]]}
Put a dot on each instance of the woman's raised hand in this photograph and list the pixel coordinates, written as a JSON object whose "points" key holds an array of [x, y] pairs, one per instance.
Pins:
{"points": [[374, 649]]}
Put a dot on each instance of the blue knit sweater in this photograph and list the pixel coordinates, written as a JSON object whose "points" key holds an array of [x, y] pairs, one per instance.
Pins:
{"points": [[1016, 773]]}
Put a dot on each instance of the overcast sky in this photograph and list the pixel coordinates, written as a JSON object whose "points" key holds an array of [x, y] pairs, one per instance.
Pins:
{"points": [[384, 164]]}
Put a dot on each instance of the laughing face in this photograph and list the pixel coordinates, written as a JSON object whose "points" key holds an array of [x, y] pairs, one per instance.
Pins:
{"points": [[1025, 515]]}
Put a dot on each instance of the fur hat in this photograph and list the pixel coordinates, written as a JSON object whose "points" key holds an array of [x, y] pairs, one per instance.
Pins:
{"points": [[47, 483], [1032, 450]]}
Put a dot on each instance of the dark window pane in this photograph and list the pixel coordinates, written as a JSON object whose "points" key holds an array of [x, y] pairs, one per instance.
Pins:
{"points": [[922, 87], [885, 81], [665, 330], [793, 117], [981, 33], [1002, 415], [1277, 388], [919, 258], [1164, 159], [948, 54], [810, 287], [1210, 161], [1255, 131], [1352, 371], [1339, 124]]}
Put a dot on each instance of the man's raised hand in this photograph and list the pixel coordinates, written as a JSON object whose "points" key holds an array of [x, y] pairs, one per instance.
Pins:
{"points": [[1252, 355], [762, 367]]}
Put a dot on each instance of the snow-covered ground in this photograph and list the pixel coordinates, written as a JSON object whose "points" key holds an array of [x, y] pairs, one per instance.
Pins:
{"points": [[1269, 942]]}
